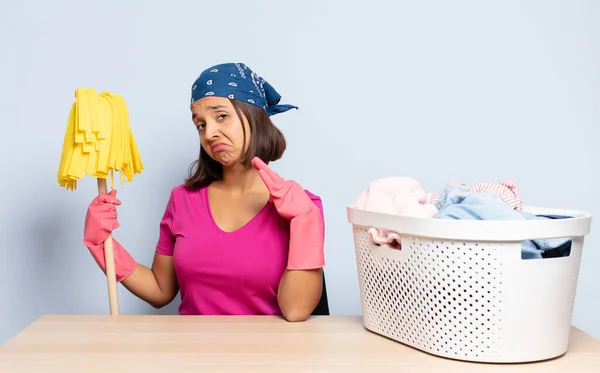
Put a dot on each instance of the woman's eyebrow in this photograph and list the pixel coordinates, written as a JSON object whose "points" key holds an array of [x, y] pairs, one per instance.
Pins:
{"points": [[215, 107]]}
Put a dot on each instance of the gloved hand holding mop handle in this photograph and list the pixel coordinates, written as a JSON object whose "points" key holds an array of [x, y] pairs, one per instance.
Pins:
{"points": [[100, 222], [306, 219]]}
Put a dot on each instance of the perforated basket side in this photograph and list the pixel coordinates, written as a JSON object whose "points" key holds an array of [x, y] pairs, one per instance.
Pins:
{"points": [[440, 297]]}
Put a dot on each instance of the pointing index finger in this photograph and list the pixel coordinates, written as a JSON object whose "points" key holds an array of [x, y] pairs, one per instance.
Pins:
{"points": [[263, 168], [259, 164]]}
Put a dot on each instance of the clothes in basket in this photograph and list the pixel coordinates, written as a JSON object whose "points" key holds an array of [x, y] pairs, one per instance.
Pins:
{"points": [[394, 195], [463, 204], [506, 189], [482, 201]]}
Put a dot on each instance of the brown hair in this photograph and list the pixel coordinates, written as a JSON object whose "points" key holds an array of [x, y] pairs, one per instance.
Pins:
{"points": [[266, 142]]}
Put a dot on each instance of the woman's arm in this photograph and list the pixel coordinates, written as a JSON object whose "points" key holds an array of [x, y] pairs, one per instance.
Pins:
{"points": [[301, 285], [300, 289], [157, 286], [299, 293]]}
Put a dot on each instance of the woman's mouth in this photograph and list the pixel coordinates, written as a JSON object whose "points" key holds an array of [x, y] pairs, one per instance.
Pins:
{"points": [[218, 147]]}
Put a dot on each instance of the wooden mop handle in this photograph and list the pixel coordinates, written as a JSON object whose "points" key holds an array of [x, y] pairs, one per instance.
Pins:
{"points": [[109, 258]]}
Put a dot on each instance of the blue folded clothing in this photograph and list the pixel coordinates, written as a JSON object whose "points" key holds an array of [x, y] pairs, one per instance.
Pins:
{"points": [[463, 204]]}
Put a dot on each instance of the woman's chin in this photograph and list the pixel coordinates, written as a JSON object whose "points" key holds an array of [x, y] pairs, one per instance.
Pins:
{"points": [[226, 160]]}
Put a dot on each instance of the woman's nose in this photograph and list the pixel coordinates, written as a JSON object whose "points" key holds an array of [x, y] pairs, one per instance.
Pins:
{"points": [[210, 129]]}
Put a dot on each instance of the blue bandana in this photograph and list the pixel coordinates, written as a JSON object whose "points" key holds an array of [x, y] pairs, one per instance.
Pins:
{"points": [[237, 82]]}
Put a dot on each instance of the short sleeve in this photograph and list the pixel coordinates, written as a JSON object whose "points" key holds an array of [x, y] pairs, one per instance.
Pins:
{"points": [[166, 239]]}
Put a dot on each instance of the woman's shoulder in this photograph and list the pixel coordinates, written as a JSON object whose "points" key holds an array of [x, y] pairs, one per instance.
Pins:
{"points": [[315, 198], [312, 195], [182, 193], [183, 189]]}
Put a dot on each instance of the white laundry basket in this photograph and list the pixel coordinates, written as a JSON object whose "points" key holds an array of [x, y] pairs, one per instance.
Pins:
{"points": [[459, 288]]}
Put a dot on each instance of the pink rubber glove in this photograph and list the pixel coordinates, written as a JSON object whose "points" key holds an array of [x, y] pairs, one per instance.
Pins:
{"points": [[100, 221], [306, 225]]}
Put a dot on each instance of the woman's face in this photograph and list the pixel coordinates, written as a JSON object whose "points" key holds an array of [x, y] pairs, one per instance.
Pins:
{"points": [[220, 129]]}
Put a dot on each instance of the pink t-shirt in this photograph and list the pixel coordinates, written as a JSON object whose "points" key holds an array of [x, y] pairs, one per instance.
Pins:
{"points": [[224, 273]]}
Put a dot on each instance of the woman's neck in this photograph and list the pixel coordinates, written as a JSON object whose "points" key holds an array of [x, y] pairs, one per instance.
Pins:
{"points": [[240, 179]]}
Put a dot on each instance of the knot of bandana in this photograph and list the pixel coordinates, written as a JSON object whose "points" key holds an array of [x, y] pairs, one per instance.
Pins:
{"points": [[237, 81]]}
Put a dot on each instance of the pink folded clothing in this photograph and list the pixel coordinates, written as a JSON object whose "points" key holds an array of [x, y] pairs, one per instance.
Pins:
{"points": [[398, 196], [506, 189]]}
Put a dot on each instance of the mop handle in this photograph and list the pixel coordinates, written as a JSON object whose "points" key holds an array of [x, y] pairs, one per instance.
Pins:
{"points": [[109, 258]]}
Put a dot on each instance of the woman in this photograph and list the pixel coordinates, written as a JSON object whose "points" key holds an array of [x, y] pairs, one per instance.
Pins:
{"points": [[235, 238]]}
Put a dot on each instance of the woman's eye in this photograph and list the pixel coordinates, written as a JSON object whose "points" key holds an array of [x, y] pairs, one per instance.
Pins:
{"points": [[222, 116], [200, 126]]}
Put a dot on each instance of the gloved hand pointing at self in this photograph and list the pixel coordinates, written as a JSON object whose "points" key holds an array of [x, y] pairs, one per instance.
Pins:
{"points": [[306, 220]]}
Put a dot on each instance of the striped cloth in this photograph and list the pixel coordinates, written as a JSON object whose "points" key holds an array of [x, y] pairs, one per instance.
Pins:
{"points": [[506, 189]]}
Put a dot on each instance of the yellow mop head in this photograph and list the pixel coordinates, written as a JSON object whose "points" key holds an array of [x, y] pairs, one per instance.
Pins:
{"points": [[98, 140]]}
